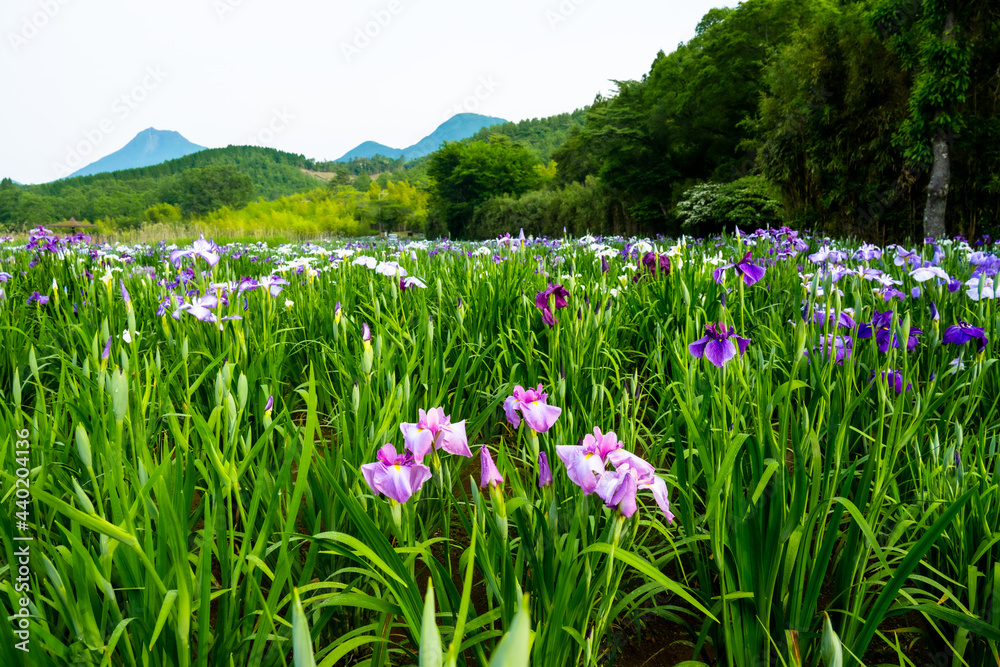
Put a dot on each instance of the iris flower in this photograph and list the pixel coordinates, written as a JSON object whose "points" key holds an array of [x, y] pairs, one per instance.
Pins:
{"points": [[749, 272], [963, 332], [201, 308], [835, 345], [207, 250], [390, 269], [618, 488], [411, 281], [539, 415], [489, 474], [544, 471], [397, 476], [894, 379], [716, 345], [587, 461], [881, 328], [434, 430], [273, 284], [41, 299], [543, 299], [652, 262]]}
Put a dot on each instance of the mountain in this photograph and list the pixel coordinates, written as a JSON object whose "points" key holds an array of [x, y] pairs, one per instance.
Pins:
{"points": [[149, 147], [370, 149], [456, 128]]}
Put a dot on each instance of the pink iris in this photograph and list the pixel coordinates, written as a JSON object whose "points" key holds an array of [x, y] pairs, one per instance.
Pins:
{"points": [[587, 461], [489, 473], [435, 430], [618, 488], [394, 475], [531, 403]]}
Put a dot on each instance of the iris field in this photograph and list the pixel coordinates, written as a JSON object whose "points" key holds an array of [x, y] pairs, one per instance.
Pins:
{"points": [[782, 447]]}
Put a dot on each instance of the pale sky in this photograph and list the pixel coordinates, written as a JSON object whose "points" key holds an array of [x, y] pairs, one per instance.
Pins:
{"points": [[83, 77]]}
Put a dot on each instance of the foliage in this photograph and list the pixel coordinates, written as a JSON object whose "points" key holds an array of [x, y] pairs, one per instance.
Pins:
{"points": [[125, 196], [181, 517], [716, 207], [464, 176]]}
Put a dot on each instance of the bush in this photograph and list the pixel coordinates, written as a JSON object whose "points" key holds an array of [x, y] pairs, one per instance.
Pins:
{"points": [[714, 207]]}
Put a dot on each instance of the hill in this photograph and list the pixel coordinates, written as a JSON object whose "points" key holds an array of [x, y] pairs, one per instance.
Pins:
{"points": [[125, 196], [149, 147], [456, 128]]}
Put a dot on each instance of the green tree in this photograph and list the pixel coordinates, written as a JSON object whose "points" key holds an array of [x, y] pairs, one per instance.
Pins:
{"points": [[464, 176], [10, 199], [205, 190], [933, 38]]}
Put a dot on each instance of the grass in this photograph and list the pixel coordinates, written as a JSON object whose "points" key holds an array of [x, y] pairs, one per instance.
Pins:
{"points": [[177, 521]]}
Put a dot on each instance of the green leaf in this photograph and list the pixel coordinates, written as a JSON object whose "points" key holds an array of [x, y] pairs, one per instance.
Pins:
{"points": [[515, 647], [302, 647], [431, 654]]}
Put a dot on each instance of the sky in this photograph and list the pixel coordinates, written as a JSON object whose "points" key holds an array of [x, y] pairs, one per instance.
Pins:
{"points": [[80, 78]]}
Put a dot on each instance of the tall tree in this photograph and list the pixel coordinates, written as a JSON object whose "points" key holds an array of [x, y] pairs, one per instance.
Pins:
{"points": [[463, 176], [929, 35]]}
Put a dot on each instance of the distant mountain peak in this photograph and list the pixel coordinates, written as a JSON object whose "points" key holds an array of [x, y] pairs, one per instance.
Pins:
{"points": [[458, 127], [150, 146]]}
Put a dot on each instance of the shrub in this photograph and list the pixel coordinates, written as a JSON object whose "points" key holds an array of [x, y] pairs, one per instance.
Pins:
{"points": [[713, 207]]}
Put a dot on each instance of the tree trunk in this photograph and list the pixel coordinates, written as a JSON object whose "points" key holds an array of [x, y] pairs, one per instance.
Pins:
{"points": [[937, 187]]}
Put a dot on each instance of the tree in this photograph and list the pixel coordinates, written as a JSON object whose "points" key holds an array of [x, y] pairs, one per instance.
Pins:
{"points": [[464, 176], [929, 34], [10, 199], [205, 190]]}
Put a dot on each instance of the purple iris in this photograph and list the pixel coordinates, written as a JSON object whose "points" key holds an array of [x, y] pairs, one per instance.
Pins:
{"points": [[539, 415], [587, 461], [835, 345], [963, 332], [544, 298], [434, 430], [881, 327], [4, 276], [397, 476], [618, 488], [201, 247], [201, 308], [366, 332], [126, 297], [716, 345], [489, 474], [40, 299], [269, 405], [652, 262], [544, 471], [749, 272], [605, 267], [844, 321], [894, 379]]}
